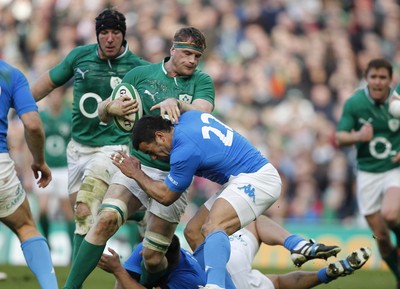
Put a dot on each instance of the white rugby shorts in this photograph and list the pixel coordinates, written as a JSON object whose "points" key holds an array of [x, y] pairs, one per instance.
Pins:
{"points": [[90, 161], [12, 195], [250, 194], [371, 188], [244, 247], [170, 213]]}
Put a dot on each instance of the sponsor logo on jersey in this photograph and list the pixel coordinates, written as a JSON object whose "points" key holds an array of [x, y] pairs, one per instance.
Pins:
{"points": [[19, 193], [82, 73], [363, 121], [151, 95], [394, 124], [114, 81], [186, 98], [172, 180]]}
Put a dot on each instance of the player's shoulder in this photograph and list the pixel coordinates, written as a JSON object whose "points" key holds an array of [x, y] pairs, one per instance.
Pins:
{"points": [[201, 75], [136, 59], [142, 71], [357, 96], [83, 50], [9, 70]]}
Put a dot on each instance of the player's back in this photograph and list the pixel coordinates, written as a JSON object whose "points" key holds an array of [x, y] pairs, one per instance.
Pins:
{"points": [[219, 151]]}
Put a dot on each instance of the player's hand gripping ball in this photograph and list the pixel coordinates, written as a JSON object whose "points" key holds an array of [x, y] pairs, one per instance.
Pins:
{"points": [[127, 89]]}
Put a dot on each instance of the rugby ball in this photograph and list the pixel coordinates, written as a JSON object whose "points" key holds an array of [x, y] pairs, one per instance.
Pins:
{"points": [[127, 89], [394, 108]]}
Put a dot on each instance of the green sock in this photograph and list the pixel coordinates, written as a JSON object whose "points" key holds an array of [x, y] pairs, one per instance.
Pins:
{"points": [[71, 230], [85, 262], [150, 279], [44, 224], [392, 261], [76, 245]]}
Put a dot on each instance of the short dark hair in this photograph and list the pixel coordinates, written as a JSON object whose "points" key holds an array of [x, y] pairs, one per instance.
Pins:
{"points": [[146, 127], [379, 63], [110, 18], [190, 34]]}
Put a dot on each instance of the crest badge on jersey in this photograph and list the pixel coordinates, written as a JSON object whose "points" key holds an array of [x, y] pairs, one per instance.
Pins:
{"points": [[394, 124], [186, 98], [114, 81]]}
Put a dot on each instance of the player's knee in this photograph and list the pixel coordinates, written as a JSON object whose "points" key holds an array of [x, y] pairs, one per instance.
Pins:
{"points": [[88, 201], [391, 218], [83, 218], [81, 210], [113, 212], [106, 223], [154, 248], [209, 227], [192, 235], [152, 258]]}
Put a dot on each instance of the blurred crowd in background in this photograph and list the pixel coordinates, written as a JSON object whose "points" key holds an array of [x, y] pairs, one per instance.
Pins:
{"points": [[282, 71]]}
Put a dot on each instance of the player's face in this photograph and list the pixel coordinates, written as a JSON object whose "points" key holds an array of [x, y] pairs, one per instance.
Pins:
{"points": [[378, 83], [110, 41], [158, 149], [184, 61]]}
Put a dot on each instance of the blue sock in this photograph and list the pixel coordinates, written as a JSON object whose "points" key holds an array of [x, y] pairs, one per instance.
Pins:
{"points": [[323, 277], [37, 255], [198, 254], [217, 250], [291, 242]]}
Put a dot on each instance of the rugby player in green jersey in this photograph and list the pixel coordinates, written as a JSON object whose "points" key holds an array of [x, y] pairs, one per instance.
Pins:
{"points": [[96, 70], [171, 86], [366, 123], [56, 118]]}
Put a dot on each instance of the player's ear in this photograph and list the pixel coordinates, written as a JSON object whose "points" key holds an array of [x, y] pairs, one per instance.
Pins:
{"points": [[158, 135]]}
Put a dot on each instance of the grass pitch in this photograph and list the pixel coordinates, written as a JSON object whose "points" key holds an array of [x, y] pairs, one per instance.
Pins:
{"points": [[20, 277]]}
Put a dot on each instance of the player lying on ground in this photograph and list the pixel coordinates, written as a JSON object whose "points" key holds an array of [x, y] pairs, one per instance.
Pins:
{"points": [[185, 273]]}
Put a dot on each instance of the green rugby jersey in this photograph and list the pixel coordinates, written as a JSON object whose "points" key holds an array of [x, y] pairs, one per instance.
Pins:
{"points": [[58, 134], [397, 89], [94, 80], [154, 85], [373, 156]]}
